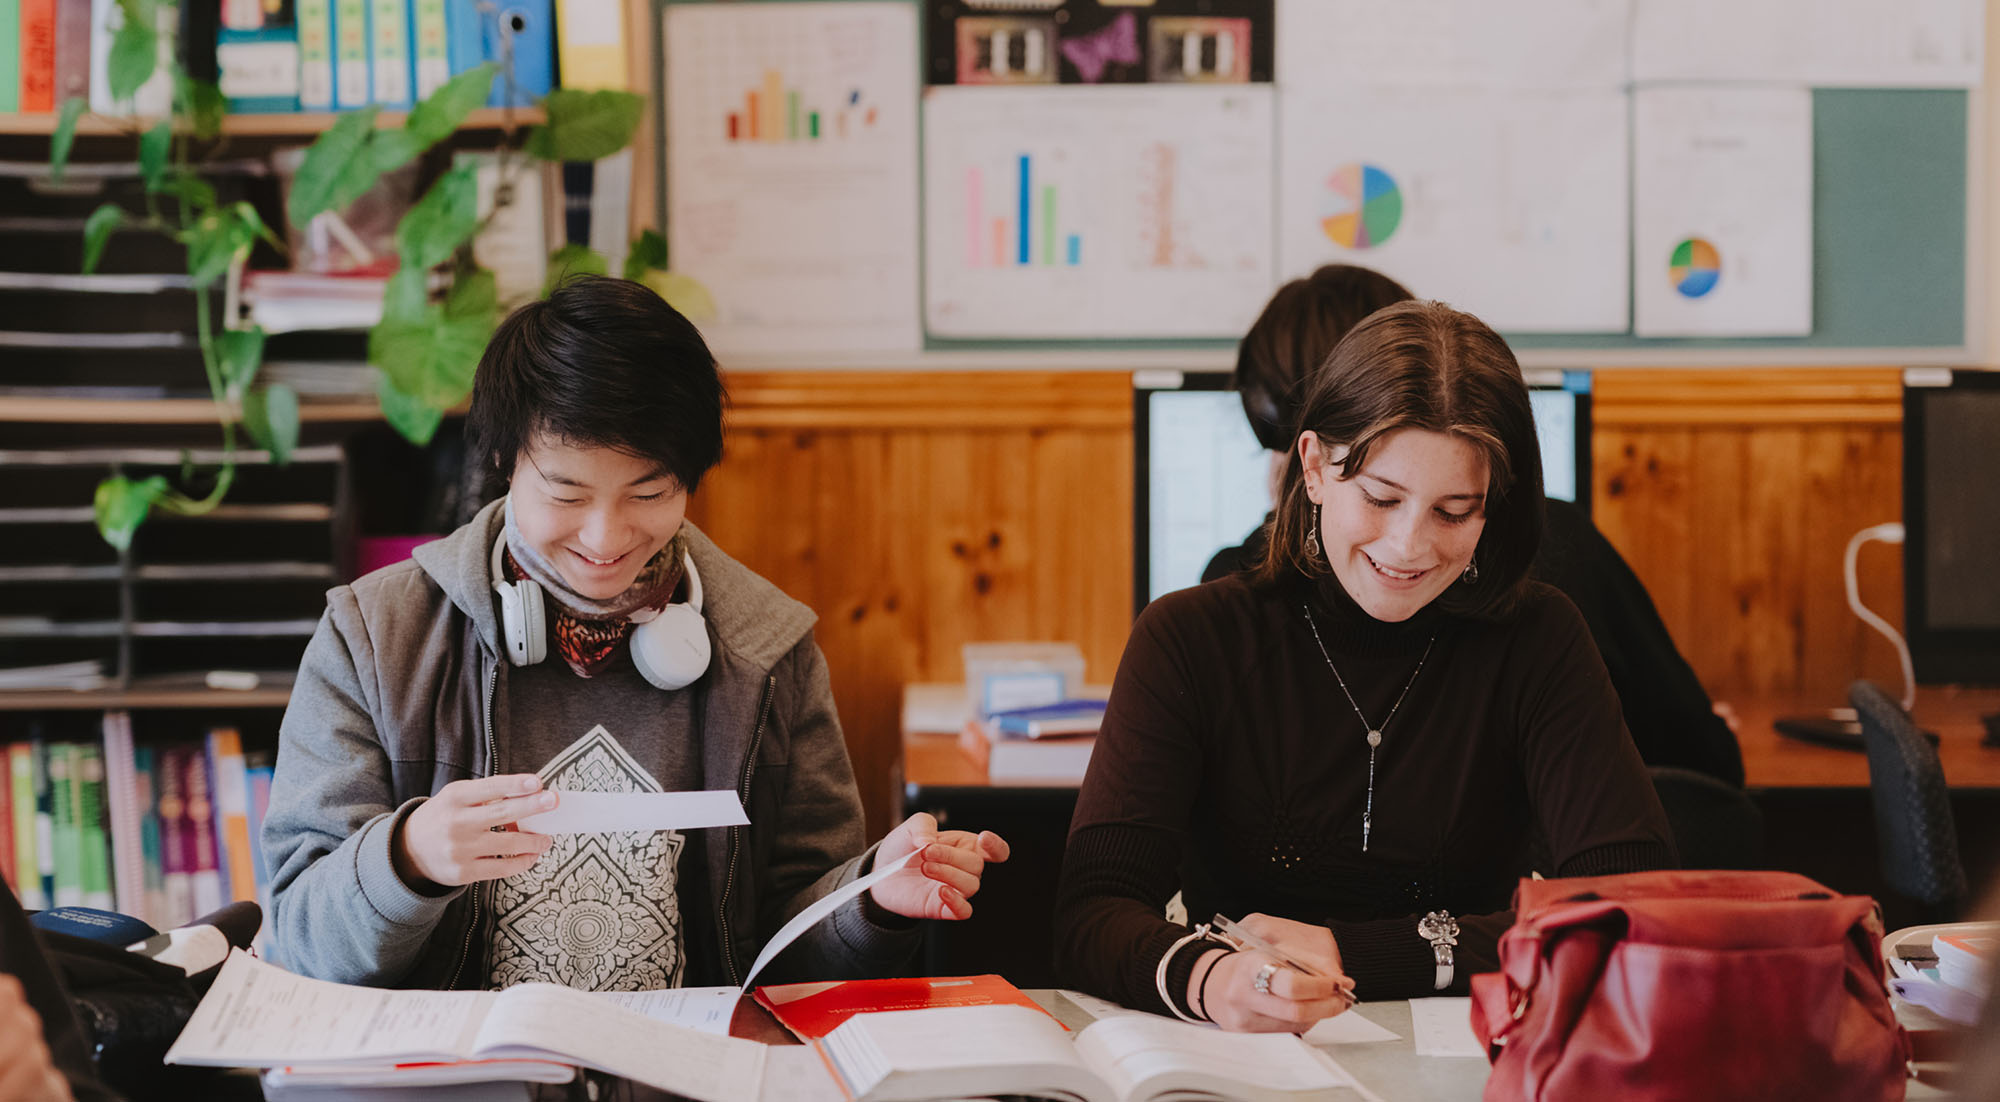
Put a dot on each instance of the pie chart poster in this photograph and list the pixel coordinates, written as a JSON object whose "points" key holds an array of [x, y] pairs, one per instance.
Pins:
{"points": [[1510, 204], [1722, 212]]}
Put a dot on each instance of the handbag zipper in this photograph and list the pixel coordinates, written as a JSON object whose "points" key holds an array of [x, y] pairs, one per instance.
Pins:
{"points": [[736, 833]]}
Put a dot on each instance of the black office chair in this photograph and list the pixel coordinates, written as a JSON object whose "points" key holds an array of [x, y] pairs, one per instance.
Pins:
{"points": [[1913, 822], [1715, 824]]}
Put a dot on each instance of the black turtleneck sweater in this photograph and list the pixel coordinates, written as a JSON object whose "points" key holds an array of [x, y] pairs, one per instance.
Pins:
{"points": [[1231, 767]]}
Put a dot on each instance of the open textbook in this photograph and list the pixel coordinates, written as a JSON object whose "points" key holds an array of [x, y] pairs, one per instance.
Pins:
{"points": [[909, 1055]]}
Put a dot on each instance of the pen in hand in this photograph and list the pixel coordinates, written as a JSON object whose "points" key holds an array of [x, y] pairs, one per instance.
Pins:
{"points": [[1233, 931]]}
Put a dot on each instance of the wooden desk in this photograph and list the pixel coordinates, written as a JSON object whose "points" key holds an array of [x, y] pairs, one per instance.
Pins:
{"points": [[1771, 760]]}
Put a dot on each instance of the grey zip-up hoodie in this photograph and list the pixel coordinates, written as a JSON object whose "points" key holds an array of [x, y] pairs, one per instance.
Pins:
{"points": [[402, 691]]}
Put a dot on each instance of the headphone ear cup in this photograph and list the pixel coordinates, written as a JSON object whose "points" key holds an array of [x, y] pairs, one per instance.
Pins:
{"points": [[671, 650], [523, 625]]}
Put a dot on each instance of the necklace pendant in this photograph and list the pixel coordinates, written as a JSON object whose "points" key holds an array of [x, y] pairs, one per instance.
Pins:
{"points": [[1374, 739], [1366, 823]]}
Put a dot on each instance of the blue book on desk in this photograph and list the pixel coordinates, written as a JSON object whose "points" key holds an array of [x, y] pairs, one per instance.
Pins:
{"points": [[1064, 717], [526, 28]]}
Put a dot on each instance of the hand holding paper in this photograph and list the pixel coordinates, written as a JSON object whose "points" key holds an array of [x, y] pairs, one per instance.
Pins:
{"points": [[944, 874]]}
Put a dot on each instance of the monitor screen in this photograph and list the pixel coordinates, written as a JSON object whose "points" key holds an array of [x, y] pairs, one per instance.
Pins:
{"points": [[1951, 518], [1204, 481]]}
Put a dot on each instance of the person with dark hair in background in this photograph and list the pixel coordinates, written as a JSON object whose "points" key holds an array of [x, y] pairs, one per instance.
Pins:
{"points": [[1357, 743], [1670, 715], [579, 634]]}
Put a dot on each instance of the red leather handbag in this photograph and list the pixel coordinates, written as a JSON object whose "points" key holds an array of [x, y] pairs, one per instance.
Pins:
{"points": [[1683, 985]]}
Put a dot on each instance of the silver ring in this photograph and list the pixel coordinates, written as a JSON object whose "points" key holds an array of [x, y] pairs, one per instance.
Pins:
{"points": [[1262, 982]]}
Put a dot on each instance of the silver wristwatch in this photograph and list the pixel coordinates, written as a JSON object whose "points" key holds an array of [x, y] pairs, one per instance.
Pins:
{"points": [[1441, 930]]}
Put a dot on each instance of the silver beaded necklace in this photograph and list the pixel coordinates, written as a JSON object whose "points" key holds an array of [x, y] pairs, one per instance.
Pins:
{"points": [[1374, 729]]}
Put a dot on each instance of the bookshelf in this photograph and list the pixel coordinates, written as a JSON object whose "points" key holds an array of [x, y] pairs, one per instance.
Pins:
{"points": [[163, 691], [273, 125]]}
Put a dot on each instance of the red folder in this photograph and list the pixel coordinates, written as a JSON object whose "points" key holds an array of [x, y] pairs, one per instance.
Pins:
{"points": [[813, 1010]]}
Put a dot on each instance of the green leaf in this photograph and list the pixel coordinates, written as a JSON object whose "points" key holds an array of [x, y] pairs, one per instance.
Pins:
{"points": [[64, 139], [648, 251], [194, 192], [97, 231], [573, 259], [337, 168], [389, 150], [216, 238], [439, 116], [431, 357], [154, 145], [586, 126], [442, 220], [122, 505], [406, 414], [407, 296], [202, 103], [240, 352], [682, 292], [272, 416], [135, 49]]}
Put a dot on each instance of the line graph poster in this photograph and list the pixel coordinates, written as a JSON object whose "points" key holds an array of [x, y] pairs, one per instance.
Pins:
{"points": [[1508, 204], [1723, 211], [1096, 212], [792, 172]]}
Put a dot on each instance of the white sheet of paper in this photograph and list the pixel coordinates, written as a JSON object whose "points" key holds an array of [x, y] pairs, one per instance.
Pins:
{"points": [[1444, 1027], [1729, 172], [808, 242], [617, 812], [1098, 211], [1452, 43], [1828, 43], [708, 1009], [790, 931], [622, 1042], [1512, 205], [1348, 1029]]}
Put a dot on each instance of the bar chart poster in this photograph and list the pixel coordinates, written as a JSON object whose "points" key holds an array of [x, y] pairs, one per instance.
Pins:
{"points": [[1108, 212], [792, 173]]}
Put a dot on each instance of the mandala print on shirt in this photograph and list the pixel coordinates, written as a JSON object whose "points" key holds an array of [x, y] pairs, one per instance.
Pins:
{"points": [[598, 912]]}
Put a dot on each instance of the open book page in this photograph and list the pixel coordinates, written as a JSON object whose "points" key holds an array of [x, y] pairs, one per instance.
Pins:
{"points": [[1141, 1057], [540, 1018], [1347, 1028], [797, 1073], [257, 1015], [823, 907], [958, 1051], [708, 1009]]}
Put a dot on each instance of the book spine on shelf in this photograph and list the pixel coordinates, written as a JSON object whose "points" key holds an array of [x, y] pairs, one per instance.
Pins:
{"points": [[430, 46], [153, 98], [315, 25], [231, 798], [350, 54], [389, 52], [72, 50], [205, 872], [121, 799], [38, 56], [152, 866], [590, 37], [260, 804], [27, 849], [93, 843], [259, 69], [10, 56], [176, 856], [64, 795], [9, 868]]}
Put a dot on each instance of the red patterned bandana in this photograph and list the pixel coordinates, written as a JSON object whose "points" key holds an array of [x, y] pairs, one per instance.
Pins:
{"points": [[587, 639]]}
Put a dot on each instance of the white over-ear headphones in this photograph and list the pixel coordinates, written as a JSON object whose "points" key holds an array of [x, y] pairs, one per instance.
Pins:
{"points": [[670, 650]]}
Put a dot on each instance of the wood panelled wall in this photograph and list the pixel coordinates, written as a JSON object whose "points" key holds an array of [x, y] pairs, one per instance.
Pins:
{"points": [[919, 511]]}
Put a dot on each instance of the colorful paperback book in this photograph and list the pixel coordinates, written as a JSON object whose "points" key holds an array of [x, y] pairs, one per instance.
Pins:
{"points": [[259, 69], [315, 26], [93, 842], [1068, 717], [10, 56], [176, 853], [121, 799], [72, 50], [389, 52], [813, 1010], [38, 56], [64, 793], [8, 858], [153, 883], [430, 39], [27, 850], [204, 855], [590, 37], [231, 798]]}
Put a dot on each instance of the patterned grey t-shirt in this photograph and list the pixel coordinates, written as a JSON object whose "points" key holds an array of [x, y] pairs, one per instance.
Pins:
{"points": [[598, 912]]}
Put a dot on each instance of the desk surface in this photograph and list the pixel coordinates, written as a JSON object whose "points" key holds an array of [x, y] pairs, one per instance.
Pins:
{"points": [[932, 714]]}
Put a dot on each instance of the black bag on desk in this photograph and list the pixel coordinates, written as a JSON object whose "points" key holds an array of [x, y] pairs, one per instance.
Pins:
{"points": [[132, 1006]]}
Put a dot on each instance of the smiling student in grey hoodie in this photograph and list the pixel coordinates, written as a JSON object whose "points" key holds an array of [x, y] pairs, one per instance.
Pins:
{"points": [[430, 711]]}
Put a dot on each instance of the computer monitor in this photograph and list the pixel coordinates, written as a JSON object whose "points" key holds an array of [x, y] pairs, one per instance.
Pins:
{"points": [[1951, 522], [1203, 479]]}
